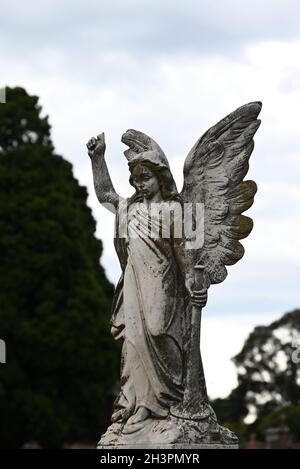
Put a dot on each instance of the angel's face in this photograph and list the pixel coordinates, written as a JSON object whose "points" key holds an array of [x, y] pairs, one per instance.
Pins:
{"points": [[145, 182]]}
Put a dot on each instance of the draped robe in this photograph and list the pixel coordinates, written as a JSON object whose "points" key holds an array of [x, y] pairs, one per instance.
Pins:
{"points": [[151, 313]]}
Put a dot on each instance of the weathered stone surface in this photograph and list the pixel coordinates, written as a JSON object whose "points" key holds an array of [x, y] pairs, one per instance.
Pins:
{"points": [[171, 432], [171, 248]]}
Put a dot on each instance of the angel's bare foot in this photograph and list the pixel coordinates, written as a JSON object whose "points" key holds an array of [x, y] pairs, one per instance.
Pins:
{"points": [[117, 416], [136, 421], [141, 414]]}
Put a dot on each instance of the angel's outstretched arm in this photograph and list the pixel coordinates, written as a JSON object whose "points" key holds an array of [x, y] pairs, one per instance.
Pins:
{"points": [[104, 188]]}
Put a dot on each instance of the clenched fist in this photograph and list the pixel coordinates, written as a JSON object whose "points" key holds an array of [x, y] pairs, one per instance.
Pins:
{"points": [[96, 146]]}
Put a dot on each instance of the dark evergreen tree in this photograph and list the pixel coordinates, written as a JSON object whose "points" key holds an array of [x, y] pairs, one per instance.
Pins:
{"points": [[54, 295]]}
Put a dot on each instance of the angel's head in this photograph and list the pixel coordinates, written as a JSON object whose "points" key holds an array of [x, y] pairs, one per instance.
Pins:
{"points": [[150, 179], [145, 182]]}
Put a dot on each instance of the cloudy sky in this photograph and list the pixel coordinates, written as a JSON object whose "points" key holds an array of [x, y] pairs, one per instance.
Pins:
{"points": [[172, 69]]}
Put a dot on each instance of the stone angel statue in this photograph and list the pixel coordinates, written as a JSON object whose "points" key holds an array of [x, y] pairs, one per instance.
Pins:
{"points": [[166, 272]]}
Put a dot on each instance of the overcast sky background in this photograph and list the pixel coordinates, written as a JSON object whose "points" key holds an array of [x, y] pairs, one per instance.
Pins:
{"points": [[172, 69]]}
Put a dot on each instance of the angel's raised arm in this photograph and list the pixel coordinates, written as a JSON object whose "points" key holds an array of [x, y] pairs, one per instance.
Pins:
{"points": [[104, 188]]}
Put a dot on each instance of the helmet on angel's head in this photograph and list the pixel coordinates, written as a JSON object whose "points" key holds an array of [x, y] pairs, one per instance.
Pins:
{"points": [[144, 152]]}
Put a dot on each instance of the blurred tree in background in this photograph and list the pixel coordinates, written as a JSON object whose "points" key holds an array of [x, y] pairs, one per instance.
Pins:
{"points": [[54, 295], [286, 415], [268, 376], [268, 368]]}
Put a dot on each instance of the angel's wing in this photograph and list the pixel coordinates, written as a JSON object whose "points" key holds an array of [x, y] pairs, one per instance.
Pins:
{"points": [[213, 175]]}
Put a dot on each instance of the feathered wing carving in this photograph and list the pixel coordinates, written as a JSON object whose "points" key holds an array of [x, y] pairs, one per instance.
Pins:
{"points": [[213, 175]]}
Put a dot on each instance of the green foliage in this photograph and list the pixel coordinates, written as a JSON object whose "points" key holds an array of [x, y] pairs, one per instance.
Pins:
{"points": [[231, 409], [268, 381], [20, 120], [54, 296], [268, 377], [288, 416]]}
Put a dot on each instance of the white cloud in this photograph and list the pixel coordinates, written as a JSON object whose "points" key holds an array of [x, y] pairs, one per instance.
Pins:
{"points": [[150, 27]]}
